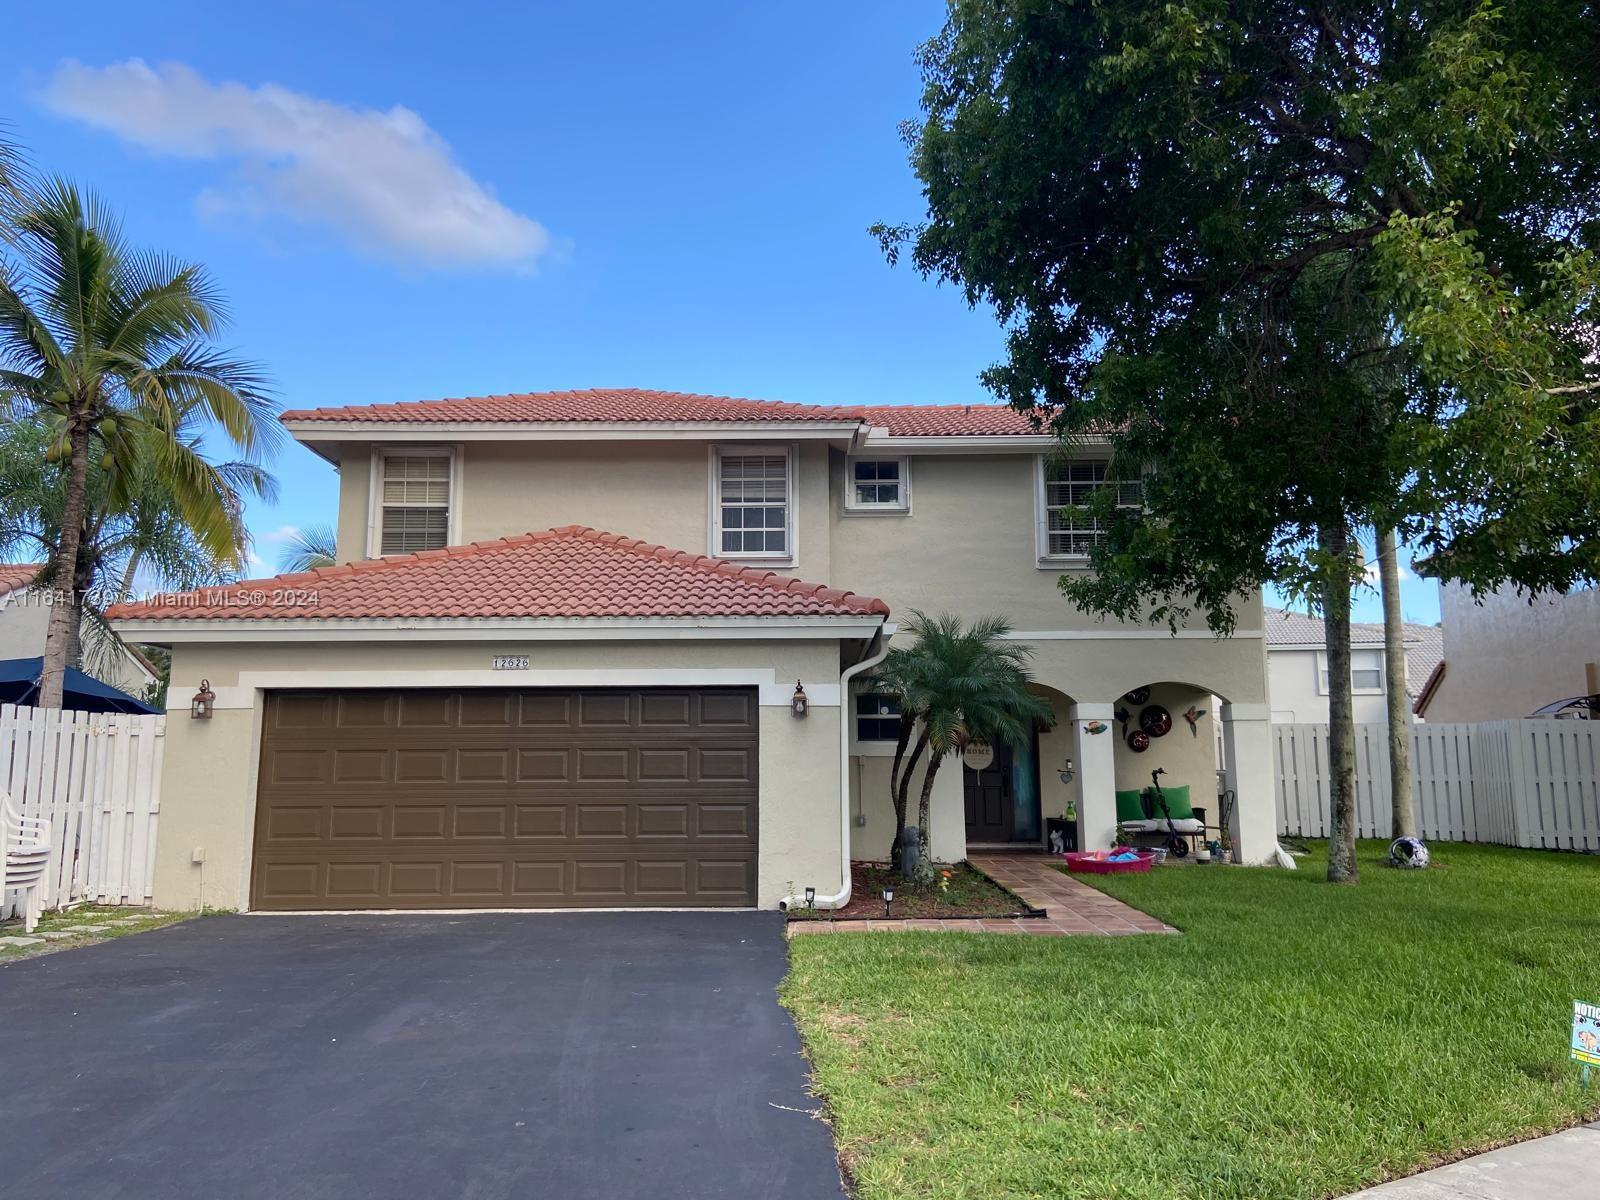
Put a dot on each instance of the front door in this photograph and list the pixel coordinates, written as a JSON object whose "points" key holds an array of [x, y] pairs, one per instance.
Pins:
{"points": [[990, 806]]}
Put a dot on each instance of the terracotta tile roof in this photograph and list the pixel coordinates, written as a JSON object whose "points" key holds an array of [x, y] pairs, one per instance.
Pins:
{"points": [[1424, 643], [948, 420], [638, 405], [568, 572], [594, 404], [15, 576]]}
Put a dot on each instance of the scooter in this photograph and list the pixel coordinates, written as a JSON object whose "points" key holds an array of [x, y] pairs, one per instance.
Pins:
{"points": [[1177, 843]]}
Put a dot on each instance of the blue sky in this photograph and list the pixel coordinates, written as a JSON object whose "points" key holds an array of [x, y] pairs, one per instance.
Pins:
{"points": [[630, 194]]}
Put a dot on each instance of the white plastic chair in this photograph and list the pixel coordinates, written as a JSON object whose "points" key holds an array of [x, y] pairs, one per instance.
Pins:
{"points": [[26, 845]]}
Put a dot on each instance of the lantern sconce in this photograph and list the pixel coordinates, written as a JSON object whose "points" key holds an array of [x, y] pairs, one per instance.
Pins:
{"points": [[798, 704], [1066, 771], [205, 700]]}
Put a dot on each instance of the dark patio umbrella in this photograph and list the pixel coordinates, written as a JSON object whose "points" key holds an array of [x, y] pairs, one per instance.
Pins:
{"points": [[19, 684]]}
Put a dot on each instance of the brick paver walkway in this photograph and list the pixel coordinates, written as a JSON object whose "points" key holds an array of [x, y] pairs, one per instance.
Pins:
{"points": [[1071, 908]]}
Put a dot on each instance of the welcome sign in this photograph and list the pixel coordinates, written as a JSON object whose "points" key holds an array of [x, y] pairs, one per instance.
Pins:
{"points": [[1586, 1034]]}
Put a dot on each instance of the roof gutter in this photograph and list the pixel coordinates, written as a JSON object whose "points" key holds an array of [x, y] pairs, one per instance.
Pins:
{"points": [[878, 650]]}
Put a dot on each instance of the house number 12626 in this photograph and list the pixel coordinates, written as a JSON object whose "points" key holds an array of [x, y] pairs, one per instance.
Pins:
{"points": [[510, 662]]}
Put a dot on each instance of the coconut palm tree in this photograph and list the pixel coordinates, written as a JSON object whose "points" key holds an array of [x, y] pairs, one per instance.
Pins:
{"points": [[958, 684], [112, 348], [146, 538], [309, 548]]}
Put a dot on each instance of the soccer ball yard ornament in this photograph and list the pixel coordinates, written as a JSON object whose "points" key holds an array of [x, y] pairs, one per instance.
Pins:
{"points": [[1408, 853]]}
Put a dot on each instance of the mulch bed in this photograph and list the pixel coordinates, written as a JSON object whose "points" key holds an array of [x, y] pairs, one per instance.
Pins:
{"points": [[967, 893]]}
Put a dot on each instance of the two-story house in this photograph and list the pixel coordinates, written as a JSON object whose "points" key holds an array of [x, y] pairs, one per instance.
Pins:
{"points": [[571, 662]]}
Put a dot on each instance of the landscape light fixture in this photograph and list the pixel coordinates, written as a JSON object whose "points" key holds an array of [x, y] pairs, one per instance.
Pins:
{"points": [[888, 899], [811, 897], [204, 701]]}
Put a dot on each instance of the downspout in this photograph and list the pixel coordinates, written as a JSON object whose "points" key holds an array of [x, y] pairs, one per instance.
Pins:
{"points": [[875, 656]]}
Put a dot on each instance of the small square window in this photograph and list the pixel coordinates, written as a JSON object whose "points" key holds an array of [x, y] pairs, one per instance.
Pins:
{"points": [[877, 718], [878, 483]]}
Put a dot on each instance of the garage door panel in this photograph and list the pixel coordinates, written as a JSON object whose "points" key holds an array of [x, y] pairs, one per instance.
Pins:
{"points": [[507, 797]]}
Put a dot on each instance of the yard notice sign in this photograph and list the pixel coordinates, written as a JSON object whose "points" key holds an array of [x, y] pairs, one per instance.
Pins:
{"points": [[1586, 1035]]}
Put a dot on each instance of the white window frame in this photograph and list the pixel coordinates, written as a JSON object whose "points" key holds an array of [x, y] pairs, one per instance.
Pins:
{"points": [[375, 491], [1375, 652], [1041, 510], [900, 508], [785, 557]]}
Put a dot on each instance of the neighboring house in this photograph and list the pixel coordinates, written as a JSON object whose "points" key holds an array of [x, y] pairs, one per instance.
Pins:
{"points": [[24, 616], [1297, 667], [515, 709], [1511, 656]]}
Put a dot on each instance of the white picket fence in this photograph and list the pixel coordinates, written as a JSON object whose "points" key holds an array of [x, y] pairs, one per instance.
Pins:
{"points": [[97, 779], [1533, 783]]}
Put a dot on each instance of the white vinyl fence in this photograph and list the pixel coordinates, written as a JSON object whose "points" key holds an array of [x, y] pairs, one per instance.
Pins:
{"points": [[1533, 783], [97, 779]]}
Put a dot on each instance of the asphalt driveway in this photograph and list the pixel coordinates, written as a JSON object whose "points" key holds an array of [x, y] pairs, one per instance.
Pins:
{"points": [[477, 1056]]}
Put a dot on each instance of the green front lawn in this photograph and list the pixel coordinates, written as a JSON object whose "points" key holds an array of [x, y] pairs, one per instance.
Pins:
{"points": [[1300, 1039]]}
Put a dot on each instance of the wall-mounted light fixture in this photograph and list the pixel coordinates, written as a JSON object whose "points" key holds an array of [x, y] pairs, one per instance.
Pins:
{"points": [[1066, 771], [204, 701], [798, 704]]}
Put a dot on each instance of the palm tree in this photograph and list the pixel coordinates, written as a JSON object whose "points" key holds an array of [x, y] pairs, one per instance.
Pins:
{"points": [[112, 348], [309, 548], [147, 536], [957, 685]]}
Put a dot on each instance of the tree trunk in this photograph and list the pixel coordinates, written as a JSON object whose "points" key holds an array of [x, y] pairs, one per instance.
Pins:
{"points": [[125, 588], [896, 794], [1341, 729], [902, 796], [1395, 679], [925, 803], [61, 633]]}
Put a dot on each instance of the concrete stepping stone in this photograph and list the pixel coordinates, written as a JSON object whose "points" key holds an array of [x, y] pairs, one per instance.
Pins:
{"points": [[18, 940], [128, 921], [90, 928], [53, 935]]}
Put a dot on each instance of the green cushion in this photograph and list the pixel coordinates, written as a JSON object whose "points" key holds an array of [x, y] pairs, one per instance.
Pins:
{"points": [[1178, 806], [1130, 806]]}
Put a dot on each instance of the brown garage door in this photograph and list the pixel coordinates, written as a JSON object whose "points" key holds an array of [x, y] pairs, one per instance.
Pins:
{"points": [[490, 798]]}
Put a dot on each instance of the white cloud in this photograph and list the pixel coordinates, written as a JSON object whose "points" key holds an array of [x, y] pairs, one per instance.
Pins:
{"points": [[384, 180]]}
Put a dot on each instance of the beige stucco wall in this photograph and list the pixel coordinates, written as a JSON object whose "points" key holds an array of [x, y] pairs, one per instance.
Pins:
{"points": [[658, 491], [208, 785], [1507, 657]]}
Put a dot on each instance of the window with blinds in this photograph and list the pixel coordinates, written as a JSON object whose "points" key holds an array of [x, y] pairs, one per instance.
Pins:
{"points": [[416, 503], [1068, 486], [752, 505]]}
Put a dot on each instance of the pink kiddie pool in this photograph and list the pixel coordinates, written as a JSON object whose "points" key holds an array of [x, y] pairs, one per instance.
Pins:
{"points": [[1098, 862]]}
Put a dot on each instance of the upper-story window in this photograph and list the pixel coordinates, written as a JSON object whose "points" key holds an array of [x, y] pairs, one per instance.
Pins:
{"points": [[878, 485], [752, 502], [1366, 672], [1064, 485], [414, 499]]}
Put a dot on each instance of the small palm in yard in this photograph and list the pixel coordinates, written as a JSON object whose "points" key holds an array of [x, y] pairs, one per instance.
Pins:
{"points": [[957, 684], [111, 348]]}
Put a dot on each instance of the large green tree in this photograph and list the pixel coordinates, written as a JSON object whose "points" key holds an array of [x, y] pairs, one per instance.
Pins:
{"points": [[114, 350], [1315, 268]]}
